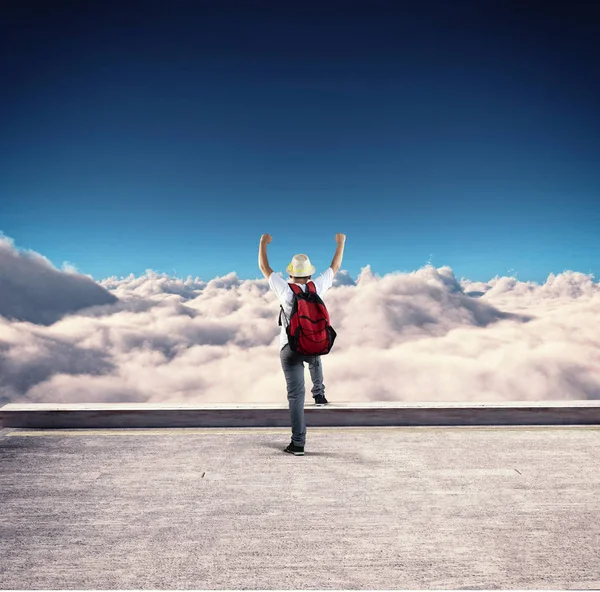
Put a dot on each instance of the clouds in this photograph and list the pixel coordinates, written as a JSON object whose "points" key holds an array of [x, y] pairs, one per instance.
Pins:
{"points": [[566, 286], [32, 289], [414, 336]]}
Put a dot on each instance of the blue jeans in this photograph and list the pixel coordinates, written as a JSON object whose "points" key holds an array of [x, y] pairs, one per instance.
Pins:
{"points": [[293, 369]]}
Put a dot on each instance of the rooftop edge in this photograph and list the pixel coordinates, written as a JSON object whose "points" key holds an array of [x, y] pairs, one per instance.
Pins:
{"points": [[384, 413]]}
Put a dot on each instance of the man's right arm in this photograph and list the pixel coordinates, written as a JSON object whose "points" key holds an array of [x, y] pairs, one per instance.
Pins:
{"points": [[339, 252]]}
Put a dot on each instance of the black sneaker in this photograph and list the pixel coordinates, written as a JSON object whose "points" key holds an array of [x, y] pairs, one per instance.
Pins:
{"points": [[295, 450], [321, 400]]}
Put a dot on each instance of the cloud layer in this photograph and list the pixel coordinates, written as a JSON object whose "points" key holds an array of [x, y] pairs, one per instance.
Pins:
{"points": [[420, 336], [32, 289]]}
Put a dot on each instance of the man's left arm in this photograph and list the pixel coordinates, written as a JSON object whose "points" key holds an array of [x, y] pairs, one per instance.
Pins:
{"points": [[263, 261]]}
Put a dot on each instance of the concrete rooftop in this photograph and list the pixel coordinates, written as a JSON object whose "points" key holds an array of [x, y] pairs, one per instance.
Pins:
{"points": [[366, 507]]}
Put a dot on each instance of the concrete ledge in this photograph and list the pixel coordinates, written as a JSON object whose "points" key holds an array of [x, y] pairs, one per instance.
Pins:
{"points": [[149, 415]]}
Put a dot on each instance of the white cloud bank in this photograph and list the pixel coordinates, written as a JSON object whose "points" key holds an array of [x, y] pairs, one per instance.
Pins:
{"points": [[420, 336]]}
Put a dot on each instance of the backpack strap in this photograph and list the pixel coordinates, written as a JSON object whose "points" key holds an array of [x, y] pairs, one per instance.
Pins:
{"points": [[310, 287], [295, 290]]}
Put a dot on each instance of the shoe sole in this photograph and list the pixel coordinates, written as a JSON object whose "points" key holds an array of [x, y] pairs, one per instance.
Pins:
{"points": [[294, 453]]}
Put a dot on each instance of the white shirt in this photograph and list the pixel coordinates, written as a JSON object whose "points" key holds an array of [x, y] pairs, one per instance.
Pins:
{"points": [[286, 297]]}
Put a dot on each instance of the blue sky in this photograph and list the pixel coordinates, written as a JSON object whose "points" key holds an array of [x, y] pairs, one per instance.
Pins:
{"points": [[170, 136]]}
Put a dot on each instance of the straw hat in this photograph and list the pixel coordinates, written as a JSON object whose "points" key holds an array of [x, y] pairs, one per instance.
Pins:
{"points": [[300, 266]]}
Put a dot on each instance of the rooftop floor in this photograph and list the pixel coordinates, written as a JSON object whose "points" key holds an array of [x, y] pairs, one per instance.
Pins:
{"points": [[366, 507]]}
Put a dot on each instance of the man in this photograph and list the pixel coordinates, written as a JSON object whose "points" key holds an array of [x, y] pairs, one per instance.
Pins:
{"points": [[300, 270]]}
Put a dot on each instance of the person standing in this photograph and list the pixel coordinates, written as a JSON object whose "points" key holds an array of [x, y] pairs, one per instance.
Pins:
{"points": [[300, 271]]}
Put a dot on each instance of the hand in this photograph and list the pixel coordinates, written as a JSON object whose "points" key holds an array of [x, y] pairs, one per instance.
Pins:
{"points": [[340, 238], [266, 239]]}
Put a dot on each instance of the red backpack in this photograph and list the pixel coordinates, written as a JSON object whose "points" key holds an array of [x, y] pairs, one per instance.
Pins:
{"points": [[309, 332]]}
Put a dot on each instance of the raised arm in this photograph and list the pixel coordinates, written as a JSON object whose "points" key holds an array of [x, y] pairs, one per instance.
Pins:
{"points": [[340, 239], [263, 261]]}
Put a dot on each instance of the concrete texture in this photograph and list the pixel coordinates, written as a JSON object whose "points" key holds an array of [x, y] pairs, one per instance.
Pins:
{"points": [[374, 508], [138, 415]]}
